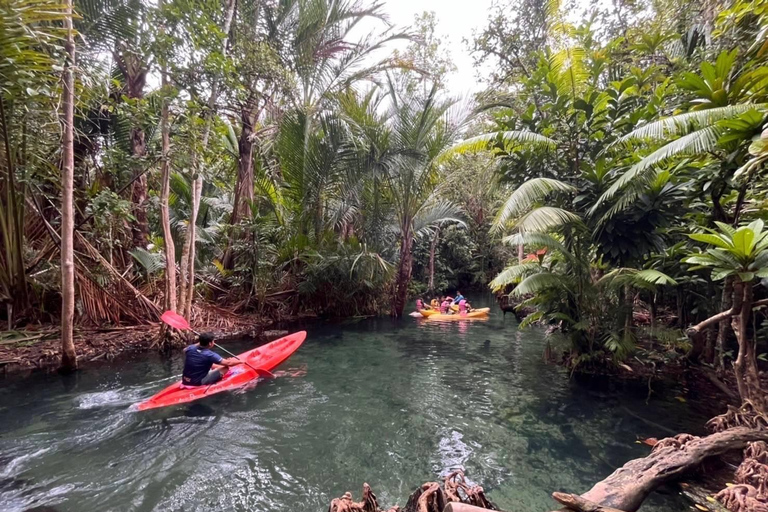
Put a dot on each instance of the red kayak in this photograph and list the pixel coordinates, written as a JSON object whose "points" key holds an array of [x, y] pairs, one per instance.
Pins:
{"points": [[263, 358]]}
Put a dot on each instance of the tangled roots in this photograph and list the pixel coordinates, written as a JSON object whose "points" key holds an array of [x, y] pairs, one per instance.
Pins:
{"points": [[676, 442], [751, 495], [367, 504], [430, 497], [455, 485], [741, 498], [745, 416]]}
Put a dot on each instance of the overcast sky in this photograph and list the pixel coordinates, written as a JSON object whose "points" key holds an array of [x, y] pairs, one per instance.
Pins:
{"points": [[455, 21]]}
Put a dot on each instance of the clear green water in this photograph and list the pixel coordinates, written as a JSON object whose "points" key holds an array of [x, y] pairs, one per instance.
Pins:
{"points": [[390, 403]]}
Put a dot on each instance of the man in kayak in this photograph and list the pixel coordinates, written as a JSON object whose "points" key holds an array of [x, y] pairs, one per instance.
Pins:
{"points": [[459, 297], [199, 359]]}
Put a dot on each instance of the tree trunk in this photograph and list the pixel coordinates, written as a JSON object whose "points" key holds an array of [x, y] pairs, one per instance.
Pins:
{"points": [[432, 250], [187, 289], [170, 248], [722, 330], [403, 279], [134, 72], [136, 79], [244, 186], [745, 366], [68, 355]]}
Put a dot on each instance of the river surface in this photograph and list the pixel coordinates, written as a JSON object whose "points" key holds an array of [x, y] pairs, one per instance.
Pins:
{"points": [[391, 403]]}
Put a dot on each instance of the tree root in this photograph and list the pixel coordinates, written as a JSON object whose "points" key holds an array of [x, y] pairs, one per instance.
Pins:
{"points": [[369, 503], [741, 498], [430, 497], [751, 495], [744, 416]]}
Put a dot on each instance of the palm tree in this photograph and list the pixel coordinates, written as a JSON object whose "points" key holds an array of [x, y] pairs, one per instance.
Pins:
{"points": [[422, 129], [30, 45]]}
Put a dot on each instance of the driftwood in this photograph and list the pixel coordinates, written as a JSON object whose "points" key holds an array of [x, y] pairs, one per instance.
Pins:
{"points": [[627, 487], [576, 502]]}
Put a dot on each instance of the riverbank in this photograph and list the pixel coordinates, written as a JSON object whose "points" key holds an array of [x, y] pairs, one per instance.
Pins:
{"points": [[37, 348]]}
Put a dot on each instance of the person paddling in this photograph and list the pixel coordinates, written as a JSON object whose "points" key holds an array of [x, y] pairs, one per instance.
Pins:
{"points": [[199, 359], [459, 297]]}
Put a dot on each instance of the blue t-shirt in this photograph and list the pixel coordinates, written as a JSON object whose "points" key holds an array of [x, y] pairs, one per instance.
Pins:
{"points": [[197, 364], [458, 299]]}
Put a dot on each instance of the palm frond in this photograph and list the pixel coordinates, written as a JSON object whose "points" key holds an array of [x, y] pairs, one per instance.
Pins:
{"points": [[509, 140], [545, 218], [513, 274], [528, 194], [682, 123], [696, 143], [540, 282]]}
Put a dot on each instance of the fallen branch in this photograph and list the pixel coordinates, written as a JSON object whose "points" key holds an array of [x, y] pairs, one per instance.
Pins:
{"points": [[576, 502], [627, 487]]}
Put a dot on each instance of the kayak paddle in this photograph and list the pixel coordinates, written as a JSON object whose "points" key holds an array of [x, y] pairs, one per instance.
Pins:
{"points": [[177, 321]]}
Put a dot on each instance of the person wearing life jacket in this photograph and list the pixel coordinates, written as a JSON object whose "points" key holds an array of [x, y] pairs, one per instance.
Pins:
{"points": [[459, 297], [199, 359], [445, 306], [462, 307], [435, 304], [419, 305]]}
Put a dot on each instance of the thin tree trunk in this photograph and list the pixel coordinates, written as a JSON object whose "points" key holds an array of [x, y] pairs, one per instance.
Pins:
{"points": [[135, 71], [404, 269], [68, 355], [170, 248], [140, 226], [244, 185], [432, 250], [722, 330], [745, 366], [188, 257]]}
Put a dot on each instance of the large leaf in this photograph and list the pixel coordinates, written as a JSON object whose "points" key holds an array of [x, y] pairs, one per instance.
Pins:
{"points": [[545, 218], [540, 282], [682, 123], [743, 241], [514, 274], [509, 140], [696, 143], [711, 239], [528, 194]]}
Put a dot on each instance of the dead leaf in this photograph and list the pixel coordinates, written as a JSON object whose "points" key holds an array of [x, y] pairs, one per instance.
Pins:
{"points": [[651, 441], [702, 507], [626, 367], [681, 399], [711, 499]]}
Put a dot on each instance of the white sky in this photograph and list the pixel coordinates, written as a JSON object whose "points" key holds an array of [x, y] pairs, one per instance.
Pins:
{"points": [[455, 21]]}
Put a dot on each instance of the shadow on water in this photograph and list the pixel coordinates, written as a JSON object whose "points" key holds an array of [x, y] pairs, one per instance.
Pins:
{"points": [[391, 403]]}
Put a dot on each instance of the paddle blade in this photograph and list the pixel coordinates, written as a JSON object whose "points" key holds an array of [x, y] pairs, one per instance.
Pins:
{"points": [[175, 320], [264, 374]]}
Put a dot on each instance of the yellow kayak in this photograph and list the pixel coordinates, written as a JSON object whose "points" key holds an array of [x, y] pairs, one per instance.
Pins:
{"points": [[426, 313], [473, 315]]}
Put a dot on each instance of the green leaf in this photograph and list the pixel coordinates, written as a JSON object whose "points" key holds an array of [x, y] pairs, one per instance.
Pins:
{"points": [[711, 239], [742, 241], [719, 274], [746, 277]]}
